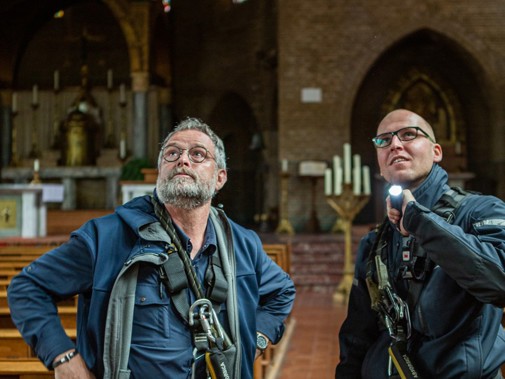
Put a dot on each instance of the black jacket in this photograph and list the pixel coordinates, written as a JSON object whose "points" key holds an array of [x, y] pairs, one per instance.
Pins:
{"points": [[456, 322]]}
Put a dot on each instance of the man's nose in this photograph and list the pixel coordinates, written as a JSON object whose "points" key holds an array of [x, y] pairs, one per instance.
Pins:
{"points": [[396, 142], [184, 158]]}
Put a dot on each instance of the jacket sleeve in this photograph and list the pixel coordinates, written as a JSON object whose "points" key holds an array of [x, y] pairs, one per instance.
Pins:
{"points": [[277, 295], [33, 295], [472, 250], [360, 328]]}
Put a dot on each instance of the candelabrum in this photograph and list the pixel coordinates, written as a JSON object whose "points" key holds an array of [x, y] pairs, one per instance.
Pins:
{"points": [[284, 226], [35, 151], [347, 205]]}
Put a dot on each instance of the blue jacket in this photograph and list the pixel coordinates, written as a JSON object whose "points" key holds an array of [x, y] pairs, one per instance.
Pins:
{"points": [[457, 330], [88, 265]]}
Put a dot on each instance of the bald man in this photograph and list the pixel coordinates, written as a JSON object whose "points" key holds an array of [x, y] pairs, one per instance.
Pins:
{"points": [[429, 287]]}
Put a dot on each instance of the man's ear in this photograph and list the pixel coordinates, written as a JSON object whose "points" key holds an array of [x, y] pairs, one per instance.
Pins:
{"points": [[437, 153], [222, 177]]}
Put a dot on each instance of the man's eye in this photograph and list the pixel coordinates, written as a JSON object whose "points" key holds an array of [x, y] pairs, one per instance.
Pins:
{"points": [[383, 140], [171, 152], [198, 153]]}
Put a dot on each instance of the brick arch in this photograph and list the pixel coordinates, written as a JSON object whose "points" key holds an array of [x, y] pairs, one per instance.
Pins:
{"points": [[459, 73], [135, 32]]}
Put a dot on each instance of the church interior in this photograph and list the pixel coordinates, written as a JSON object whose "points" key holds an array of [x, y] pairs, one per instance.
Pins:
{"points": [[296, 89]]}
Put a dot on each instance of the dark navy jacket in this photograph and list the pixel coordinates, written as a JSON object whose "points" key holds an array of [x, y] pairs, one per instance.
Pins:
{"points": [[457, 330], [88, 265]]}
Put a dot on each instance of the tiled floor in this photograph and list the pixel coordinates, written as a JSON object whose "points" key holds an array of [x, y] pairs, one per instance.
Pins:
{"points": [[313, 350]]}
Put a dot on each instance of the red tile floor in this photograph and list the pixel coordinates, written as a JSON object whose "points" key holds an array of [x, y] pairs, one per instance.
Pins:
{"points": [[313, 350]]}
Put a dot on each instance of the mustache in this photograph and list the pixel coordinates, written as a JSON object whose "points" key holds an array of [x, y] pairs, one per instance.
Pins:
{"points": [[182, 170]]}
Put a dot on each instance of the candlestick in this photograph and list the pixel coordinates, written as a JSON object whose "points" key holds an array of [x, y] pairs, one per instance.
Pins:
{"points": [[284, 224], [14, 102], [366, 180], [347, 163], [56, 78], [122, 94], [122, 148], [36, 165], [35, 95], [110, 82], [347, 205], [284, 165]]}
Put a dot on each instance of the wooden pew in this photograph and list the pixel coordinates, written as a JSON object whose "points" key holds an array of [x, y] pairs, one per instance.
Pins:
{"points": [[67, 315], [24, 369], [12, 345], [280, 254]]}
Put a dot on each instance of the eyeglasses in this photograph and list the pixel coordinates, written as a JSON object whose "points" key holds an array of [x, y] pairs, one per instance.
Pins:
{"points": [[408, 133], [196, 154]]}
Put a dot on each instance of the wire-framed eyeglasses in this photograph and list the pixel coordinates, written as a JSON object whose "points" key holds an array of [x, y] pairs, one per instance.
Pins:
{"points": [[408, 133], [196, 154]]}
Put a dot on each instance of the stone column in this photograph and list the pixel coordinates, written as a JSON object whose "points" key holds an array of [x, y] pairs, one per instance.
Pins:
{"points": [[140, 87]]}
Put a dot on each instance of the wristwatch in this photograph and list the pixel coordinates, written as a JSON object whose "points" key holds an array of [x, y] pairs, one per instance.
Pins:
{"points": [[261, 342]]}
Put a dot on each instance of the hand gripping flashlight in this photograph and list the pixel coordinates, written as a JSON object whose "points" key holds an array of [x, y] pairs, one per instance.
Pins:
{"points": [[396, 197]]}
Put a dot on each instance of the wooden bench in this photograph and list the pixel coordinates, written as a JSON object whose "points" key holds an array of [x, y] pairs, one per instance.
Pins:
{"points": [[66, 313], [280, 254], [12, 345], [24, 369]]}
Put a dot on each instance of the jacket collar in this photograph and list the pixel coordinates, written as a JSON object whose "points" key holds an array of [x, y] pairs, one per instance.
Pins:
{"points": [[433, 187]]}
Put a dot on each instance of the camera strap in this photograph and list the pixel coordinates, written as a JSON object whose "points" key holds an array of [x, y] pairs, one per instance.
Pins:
{"points": [[177, 273]]}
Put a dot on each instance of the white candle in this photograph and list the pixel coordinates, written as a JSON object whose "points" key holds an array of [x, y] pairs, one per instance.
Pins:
{"points": [[327, 182], [338, 181], [357, 174], [347, 163], [457, 147], [366, 180], [36, 165], [284, 165], [109, 79], [337, 175], [14, 102], [56, 80], [122, 148], [122, 94], [35, 95]]}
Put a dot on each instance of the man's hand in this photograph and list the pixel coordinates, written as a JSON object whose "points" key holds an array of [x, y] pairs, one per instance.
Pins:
{"points": [[73, 369], [395, 216]]}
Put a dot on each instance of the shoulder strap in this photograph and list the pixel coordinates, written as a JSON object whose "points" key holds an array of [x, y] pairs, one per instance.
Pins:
{"points": [[450, 201]]}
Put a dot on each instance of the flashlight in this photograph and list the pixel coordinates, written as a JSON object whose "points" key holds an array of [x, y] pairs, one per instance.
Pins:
{"points": [[396, 197]]}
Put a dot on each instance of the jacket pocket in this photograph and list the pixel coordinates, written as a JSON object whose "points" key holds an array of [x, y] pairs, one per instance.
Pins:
{"points": [[151, 318]]}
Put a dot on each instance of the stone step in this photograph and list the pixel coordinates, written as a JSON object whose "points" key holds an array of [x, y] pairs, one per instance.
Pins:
{"points": [[317, 260]]}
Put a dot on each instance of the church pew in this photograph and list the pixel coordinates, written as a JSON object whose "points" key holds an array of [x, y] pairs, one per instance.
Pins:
{"points": [[280, 254], [67, 315], [24, 369], [12, 345]]}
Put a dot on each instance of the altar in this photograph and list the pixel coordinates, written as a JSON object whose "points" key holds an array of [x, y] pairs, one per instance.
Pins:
{"points": [[22, 211], [69, 177]]}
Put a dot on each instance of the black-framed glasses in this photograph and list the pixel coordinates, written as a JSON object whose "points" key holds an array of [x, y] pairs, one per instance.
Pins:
{"points": [[196, 154], [408, 133]]}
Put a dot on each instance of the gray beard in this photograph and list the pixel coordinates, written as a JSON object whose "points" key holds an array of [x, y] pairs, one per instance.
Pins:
{"points": [[185, 193]]}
